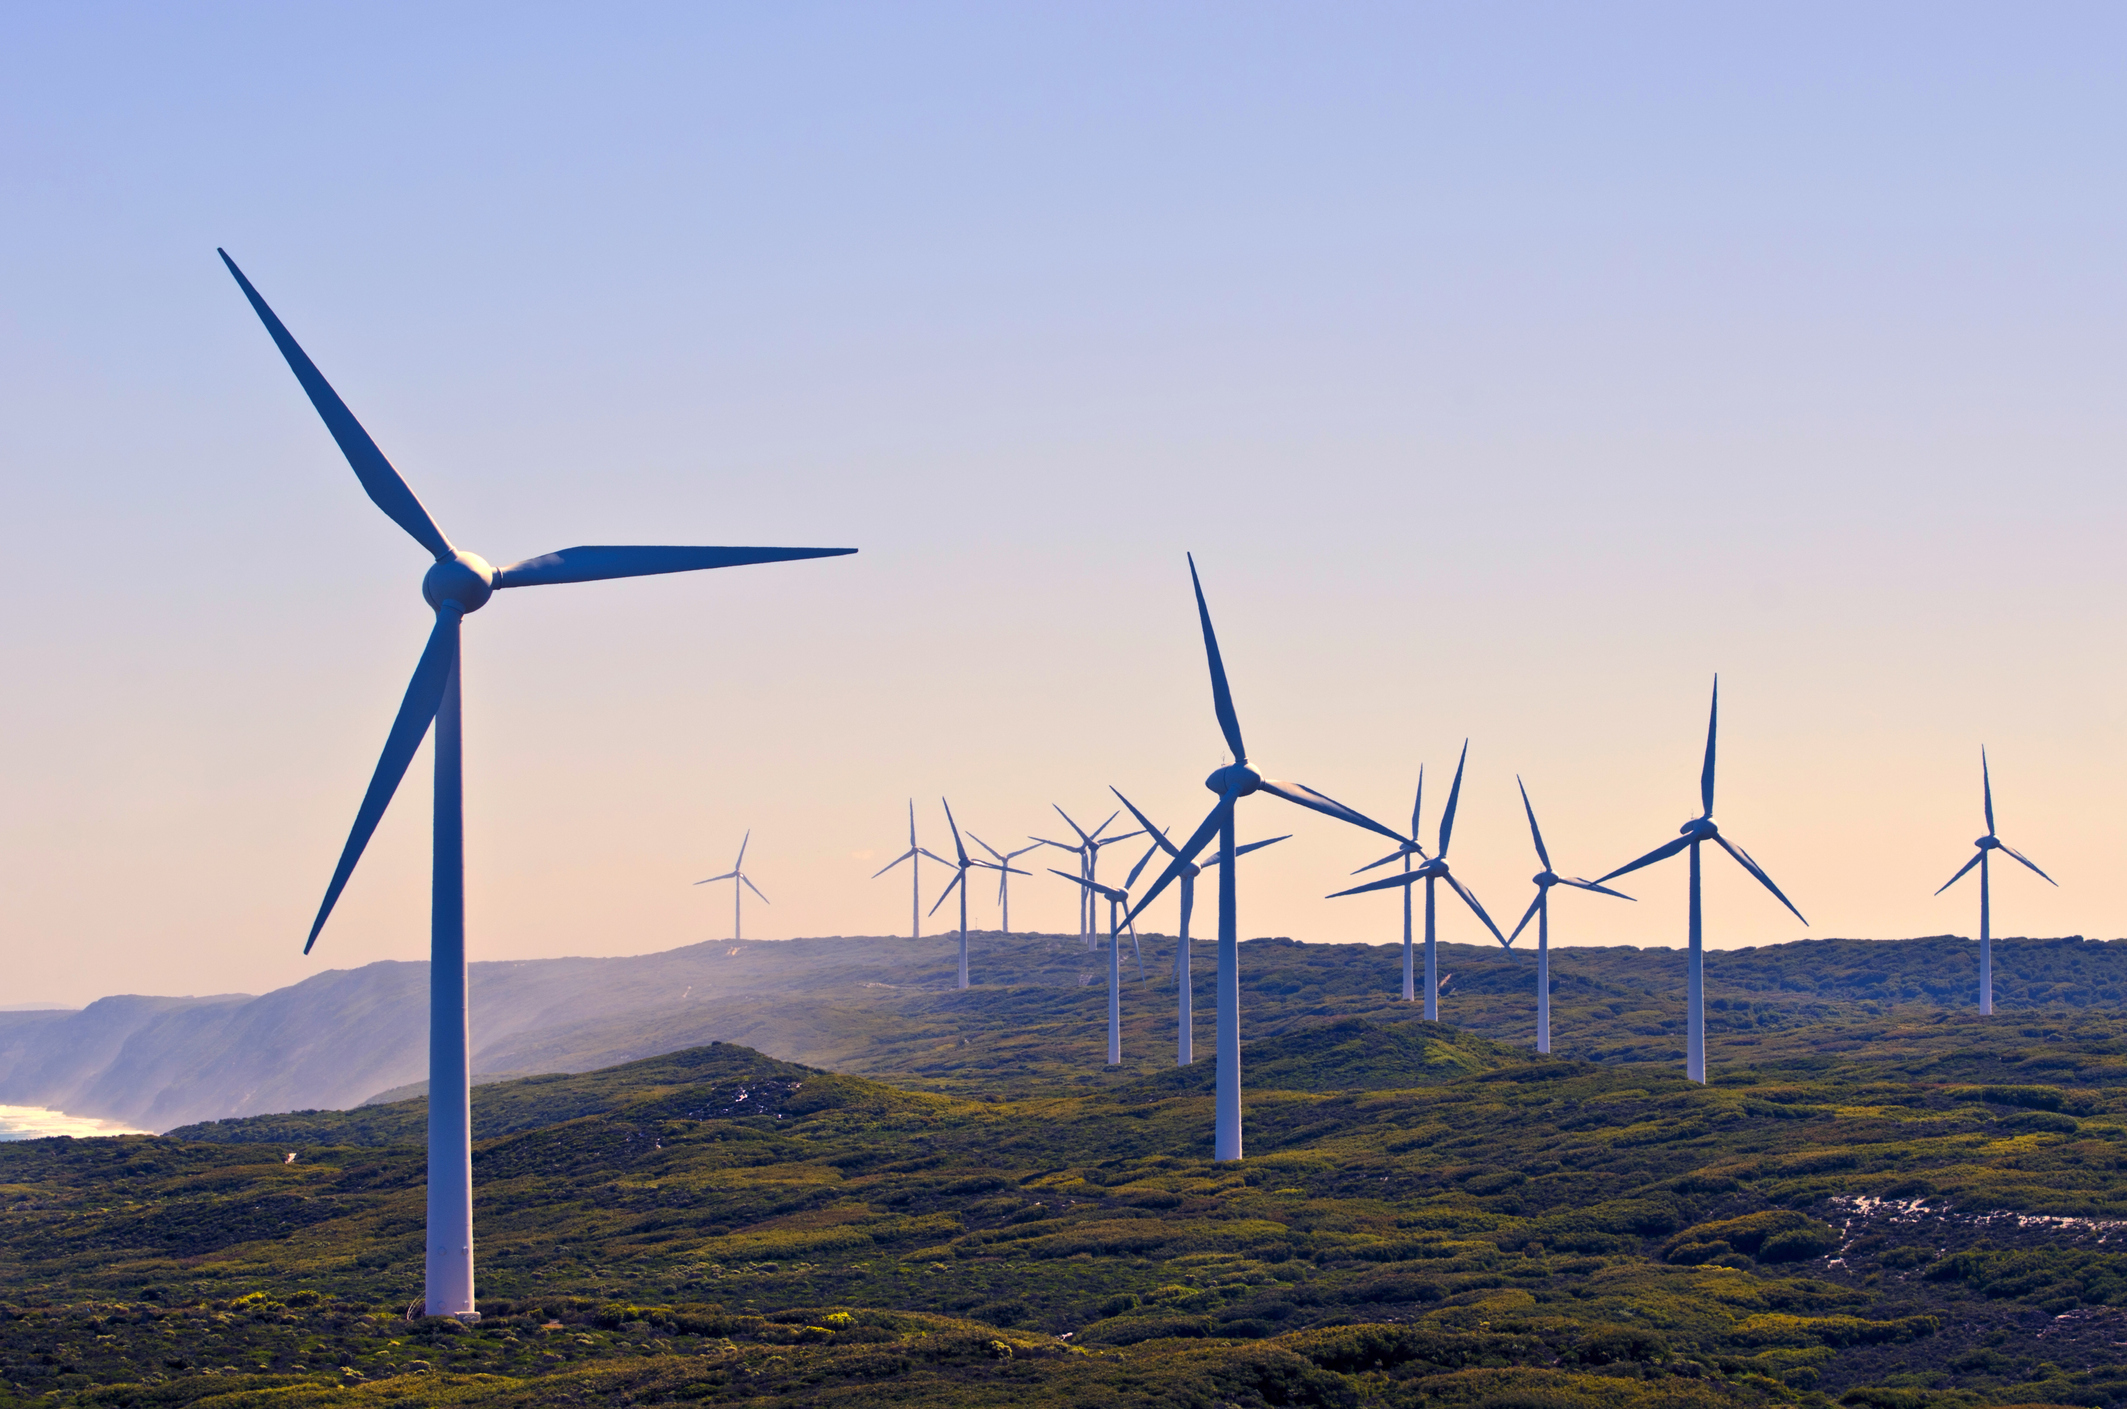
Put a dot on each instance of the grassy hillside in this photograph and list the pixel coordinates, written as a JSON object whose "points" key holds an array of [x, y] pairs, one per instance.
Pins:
{"points": [[1880, 1202]]}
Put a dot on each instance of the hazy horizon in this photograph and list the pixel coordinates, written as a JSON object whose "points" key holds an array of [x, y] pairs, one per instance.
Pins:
{"points": [[1509, 371]]}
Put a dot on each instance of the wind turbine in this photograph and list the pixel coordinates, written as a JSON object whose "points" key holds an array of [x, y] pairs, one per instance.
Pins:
{"points": [[1088, 851], [1435, 869], [1116, 899], [915, 873], [1697, 831], [1988, 843], [1185, 1018], [457, 584], [959, 883], [1540, 907], [1232, 783], [738, 879], [1005, 871], [1407, 848]]}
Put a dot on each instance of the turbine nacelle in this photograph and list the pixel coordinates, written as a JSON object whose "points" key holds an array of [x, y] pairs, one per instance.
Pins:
{"points": [[1238, 776], [1700, 829], [1988, 843], [464, 580], [1545, 879]]}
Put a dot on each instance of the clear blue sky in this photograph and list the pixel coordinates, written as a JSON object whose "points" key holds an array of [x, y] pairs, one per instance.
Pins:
{"points": [[1509, 368]]}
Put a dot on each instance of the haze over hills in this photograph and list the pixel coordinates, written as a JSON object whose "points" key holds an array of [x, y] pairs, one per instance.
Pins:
{"points": [[886, 1007]]}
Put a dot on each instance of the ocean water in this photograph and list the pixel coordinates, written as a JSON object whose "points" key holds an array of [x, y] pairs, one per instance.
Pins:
{"points": [[35, 1123]]}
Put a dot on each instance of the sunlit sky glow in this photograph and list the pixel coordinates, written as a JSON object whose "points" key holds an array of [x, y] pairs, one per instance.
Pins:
{"points": [[1509, 369]]}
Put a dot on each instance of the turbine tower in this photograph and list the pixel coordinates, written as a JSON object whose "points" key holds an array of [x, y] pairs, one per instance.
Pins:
{"points": [[1232, 783], [1005, 871], [1406, 849], [1540, 907], [458, 583], [1696, 832], [740, 883], [1435, 869], [1184, 1017], [1116, 899], [1988, 843], [959, 883], [913, 856]]}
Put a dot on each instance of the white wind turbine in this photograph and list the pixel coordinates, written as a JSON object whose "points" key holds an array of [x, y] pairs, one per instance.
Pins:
{"points": [[1184, 1016], [740, 883], [1232, 783], [913, 856], [1005, 871], [1988, 843], [1696, 832], [1435, 869], [1540, 908], [456, 585]]}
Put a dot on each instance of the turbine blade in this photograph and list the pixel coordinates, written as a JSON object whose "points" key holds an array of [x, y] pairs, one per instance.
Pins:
{"points": [[1159, 837], [1397, 855], [424, 695], [1402, 878], [911, 824], [1044, 841], [1022, 851], [1135, 871], [386, 488], [1986, 784], [1960, 872], [2028, 862], [956, 832], [1470, 900], [986, 846], [1418, 802], [1259, 845], [596, 562], [1014, 870], [893, 863], [1328, 806], [728, 875], [1743, 858], [1198, 840], [935, 857], [1541, 854], [1578, 884], [756, 890], [742, 849], [1713, 722], [1528, 915], [1221, 695], [1104, 827], [1073, 825], [1447, 818], [1095, 886], [1661, 853], [958, 877]]}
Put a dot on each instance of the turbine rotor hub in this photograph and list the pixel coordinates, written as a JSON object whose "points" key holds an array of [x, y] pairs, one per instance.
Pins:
{"points": [[1700, 829], [465, 580], [1233, 773], [1545, 879], [1987, 843]]}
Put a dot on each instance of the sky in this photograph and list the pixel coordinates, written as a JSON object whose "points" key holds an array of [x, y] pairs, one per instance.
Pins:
{"points": [[1510, 370]]}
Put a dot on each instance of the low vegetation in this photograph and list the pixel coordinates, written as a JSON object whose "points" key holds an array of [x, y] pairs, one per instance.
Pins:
{"points": [[1881, 1201]]}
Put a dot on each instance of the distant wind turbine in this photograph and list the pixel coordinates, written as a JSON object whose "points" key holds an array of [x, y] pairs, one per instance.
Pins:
{"points": [[913, 856], [1088, 852], [1117, 899], [1540, 907], [457, 584], [959, 883], [1435, 869], [1232, 783], [1406, 849], [1185, 1018], [1005, 871], [1698, 830], [738, 881], [1988, 843]]}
